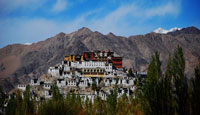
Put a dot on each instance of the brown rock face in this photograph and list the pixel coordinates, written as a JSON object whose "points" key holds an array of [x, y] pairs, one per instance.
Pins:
{"points": [[19, 63]]}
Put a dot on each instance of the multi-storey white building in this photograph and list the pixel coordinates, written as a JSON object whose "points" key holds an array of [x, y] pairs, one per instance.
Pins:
{"points": [[81, 72]]}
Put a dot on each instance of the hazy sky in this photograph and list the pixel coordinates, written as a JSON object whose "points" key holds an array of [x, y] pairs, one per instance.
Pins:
{"points": [[27, 21]]}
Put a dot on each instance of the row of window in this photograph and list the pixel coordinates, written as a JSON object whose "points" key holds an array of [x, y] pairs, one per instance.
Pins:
{"points": [[94, 64], [108, 67], [21, 85], [93, 70]]}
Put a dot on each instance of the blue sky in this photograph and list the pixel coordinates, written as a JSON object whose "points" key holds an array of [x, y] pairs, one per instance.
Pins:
{"points": [[28, 21]]}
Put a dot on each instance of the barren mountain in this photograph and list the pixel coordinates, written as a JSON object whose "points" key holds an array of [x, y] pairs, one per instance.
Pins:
{"points": [[19, 63]]}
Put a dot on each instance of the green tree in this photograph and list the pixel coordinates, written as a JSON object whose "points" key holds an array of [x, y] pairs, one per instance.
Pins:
{"points": [[88, 106], [112, 102], [178, 64], [19, 109], [195, 97], [169, 103], [180, 82], [130, 72], [2, 98], [122, 105], [56, 93], [100, 110], [54, 106], [151, 89], [27, 102], [11, 107], [137, 101], [94, 86], [168, 73]]}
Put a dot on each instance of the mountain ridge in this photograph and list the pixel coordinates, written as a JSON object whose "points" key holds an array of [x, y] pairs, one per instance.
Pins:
{"points": [[19, 63]]}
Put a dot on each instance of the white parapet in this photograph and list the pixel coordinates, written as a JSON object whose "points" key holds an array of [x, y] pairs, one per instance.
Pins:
{"points": [[21, 87], [47, 86], [83, 83]]}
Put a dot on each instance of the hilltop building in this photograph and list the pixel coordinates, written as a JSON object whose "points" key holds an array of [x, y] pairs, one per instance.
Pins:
{"points": [[77, 73]]}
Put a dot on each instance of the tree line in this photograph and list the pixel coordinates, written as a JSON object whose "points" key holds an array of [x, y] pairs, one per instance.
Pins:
{"points": [[161, 93]]}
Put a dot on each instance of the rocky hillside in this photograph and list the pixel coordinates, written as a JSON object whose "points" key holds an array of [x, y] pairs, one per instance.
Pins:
{"points": [[19, 63]]}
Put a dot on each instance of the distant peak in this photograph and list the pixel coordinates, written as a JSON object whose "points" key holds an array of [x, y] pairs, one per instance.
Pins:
{"points": [[160, 30], [192, 28], [188, 30], [84, 29], [61, 33], [163, 31], [111, 34], [174, 29]]}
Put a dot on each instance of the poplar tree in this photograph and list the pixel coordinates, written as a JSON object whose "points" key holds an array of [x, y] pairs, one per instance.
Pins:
{"points": [[195, 95], [2, 98], [112, 102], [26, 103], [150, 89], [168, 103], [168, 73], [99, 105], [11, 107], [57, 102], [56, 93], [19, 109], [123, 105], [180, 82]]}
